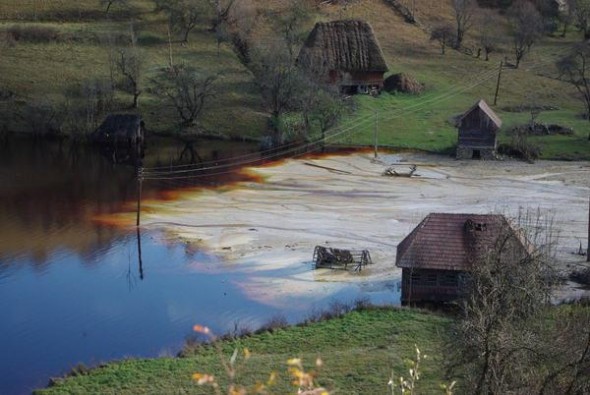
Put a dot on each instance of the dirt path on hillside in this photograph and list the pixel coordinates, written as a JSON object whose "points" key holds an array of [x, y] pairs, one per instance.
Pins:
{"points": [[275, 225]]}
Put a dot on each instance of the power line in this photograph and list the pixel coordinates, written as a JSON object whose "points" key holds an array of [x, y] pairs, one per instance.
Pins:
{"points": [[294, 149]]}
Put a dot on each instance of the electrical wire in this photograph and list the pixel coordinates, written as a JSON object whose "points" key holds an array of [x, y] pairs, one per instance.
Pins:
{"points": [[295, 149]]}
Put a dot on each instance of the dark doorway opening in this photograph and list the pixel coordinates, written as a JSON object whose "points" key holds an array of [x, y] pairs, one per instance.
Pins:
{"points": [[476, 154]]}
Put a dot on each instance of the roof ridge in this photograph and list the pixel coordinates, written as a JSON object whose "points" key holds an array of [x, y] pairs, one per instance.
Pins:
{"points": [[485, 107]]}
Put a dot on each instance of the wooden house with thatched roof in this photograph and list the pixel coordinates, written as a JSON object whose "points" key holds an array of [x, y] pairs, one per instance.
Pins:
{"points": [[437, 256], [478, 128], [345, 53]]}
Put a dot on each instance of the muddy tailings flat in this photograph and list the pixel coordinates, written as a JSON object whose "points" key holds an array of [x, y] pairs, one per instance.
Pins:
{"points": [[345, 202]]}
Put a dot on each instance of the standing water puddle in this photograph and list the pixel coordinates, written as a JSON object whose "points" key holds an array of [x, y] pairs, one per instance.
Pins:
{"points": [[76, 291]]}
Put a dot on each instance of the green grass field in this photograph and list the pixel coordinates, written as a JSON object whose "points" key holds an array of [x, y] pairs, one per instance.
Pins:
{"points": [[39, 73], [359, 352], [425, 121]]}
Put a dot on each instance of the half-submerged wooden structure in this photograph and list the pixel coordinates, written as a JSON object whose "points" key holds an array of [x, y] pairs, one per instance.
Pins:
{"points": [[121, 136], [337, 258], [345, 53], [437, 256], [392, 172], [478, 128]]}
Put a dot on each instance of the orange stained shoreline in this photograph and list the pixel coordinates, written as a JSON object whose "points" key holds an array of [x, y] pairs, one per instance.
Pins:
{"points": [[224, 181]]}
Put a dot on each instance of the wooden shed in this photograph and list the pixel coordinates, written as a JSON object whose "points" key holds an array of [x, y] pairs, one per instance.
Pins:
{"points": [[120, 129], [345, 53], [437, 256], [478, 128], [121, 136]]}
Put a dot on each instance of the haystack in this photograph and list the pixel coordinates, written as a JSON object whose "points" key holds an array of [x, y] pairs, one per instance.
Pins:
{"points": [[404, 83]]}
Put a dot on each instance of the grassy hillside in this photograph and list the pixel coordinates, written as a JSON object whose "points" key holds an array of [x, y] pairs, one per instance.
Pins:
{"points": [[359, 352], [455, 81], [41, 73], [54, 71]]}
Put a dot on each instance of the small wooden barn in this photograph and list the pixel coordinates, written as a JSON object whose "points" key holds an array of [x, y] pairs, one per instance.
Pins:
{"points": [[121, 137], [120, 129], [345, 53], [437, 256], [478, 128]]}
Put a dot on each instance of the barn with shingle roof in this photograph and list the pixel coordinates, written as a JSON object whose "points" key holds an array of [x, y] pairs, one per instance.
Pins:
{"points": [[345, 53], [437, 256], [478, 128]]}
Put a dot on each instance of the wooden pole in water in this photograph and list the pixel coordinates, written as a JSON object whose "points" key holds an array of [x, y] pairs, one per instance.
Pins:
{"points": [[498, 83], [140, 259], [588, 249], [139, 182]]}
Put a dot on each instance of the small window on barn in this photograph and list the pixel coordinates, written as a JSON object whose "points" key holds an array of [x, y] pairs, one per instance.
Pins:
{"points": [[476, 226], [449, 279], [464, 281], [481, 226]]}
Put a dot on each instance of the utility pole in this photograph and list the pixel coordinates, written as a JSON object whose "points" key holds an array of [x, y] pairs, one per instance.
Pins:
{"points": [[375, 131], [139, 257], [588, 249], [170, 63], [139, 182], [498, 83]]}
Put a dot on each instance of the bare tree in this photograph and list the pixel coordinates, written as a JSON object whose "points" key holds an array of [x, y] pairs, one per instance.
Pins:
{"points": [[580, 10], [445, 35], [527, 27], [242, 19], [222, 12], [549, 10], [128, 62], [187, 91], [292, 23], [44, 118], [327, 111], [464, 11], [125, 67], [277, 77], [576, 69], [109, 3], [570, 352], [509, 288], [221, 21], [320, 104], [566, 15], [184, 15], [488, 36]]}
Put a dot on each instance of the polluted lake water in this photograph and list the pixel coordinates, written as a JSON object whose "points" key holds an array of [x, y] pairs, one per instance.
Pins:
{"points": [[79, 284]]}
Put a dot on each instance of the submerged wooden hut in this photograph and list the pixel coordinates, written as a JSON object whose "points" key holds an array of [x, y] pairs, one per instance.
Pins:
{"points": [[120, 129], [345, 53], [478, 128], [121, 137], [437, 256]]}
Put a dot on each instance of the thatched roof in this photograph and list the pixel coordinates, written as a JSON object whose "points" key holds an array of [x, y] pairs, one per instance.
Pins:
{"points": [[348, 45]]}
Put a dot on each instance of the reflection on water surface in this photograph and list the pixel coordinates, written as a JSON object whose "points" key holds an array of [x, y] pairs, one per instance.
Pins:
{"points": [[74, 290]]}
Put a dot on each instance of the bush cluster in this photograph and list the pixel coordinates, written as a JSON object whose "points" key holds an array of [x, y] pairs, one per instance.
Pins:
{"points": [[33, 34]]}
